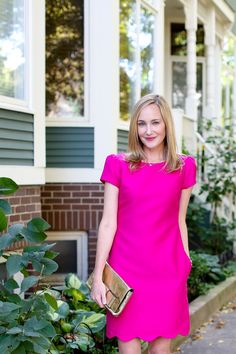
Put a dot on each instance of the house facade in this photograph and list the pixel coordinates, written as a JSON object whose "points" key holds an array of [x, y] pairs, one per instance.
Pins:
{"points": [[71, 72]]}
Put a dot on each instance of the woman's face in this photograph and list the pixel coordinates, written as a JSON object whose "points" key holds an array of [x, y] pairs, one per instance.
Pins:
{"points": [[151, 127]]}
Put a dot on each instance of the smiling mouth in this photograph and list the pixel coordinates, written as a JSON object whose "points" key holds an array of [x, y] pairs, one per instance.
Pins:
{"points": [[150, 138]]}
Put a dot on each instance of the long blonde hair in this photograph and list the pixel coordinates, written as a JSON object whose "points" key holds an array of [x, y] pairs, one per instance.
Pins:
{"points": [[135, 147]]}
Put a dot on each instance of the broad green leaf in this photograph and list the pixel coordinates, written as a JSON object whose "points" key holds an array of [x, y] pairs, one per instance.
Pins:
{"points": [[51, 254], [72, 281], [16, 299], [7, 186], [11, 284], [6, 240], [7, 307], [5, 206], [15, 229], [39, 248], [31, 334], [51, 301], [63, 309], [28, 282], [96, 322], [50, 266], [14, 264], [37, 265], [38, 225], [15, 330], [3, 220], [48, 331], [31, 236], [20, 349]]}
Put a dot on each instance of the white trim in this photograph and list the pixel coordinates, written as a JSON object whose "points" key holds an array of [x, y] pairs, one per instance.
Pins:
{"points": [[76, 121], [13, 103], [37, 41], [123, 125], [24, 175], [74, 175], [82, 248], [68, 123]]}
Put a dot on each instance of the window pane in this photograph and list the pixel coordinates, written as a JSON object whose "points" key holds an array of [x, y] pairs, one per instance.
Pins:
{"points": [[67, 258], [12, 48], [179, 90], [179, 40], [128, 42], [147, 51], [64, 58]]}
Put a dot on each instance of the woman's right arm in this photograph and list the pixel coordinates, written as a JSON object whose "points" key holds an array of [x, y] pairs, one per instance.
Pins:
{"points": [[106, 233]]}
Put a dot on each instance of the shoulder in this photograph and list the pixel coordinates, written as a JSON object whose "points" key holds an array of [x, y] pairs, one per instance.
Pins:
{"points": [[116, 158], [188, 159]]}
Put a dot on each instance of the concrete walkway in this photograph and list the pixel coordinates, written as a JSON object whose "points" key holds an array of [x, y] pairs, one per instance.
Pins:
{"points": [[217, 336]]}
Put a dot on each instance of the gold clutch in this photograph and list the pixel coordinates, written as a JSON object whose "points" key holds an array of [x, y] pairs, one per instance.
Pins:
{"points": [[118, 292]]}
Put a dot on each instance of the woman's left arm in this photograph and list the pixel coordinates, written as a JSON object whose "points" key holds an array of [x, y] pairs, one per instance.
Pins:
{"points": [[184, 200]]}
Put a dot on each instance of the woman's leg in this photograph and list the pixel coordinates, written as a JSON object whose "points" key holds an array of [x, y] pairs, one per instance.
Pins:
{"points": [[132, 346], [159, 345]]}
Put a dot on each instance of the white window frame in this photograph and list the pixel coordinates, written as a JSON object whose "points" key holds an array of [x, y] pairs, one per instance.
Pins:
{"points": [[11, 103], [81, 238], [80, 120], [33, 175], [154, 8]]}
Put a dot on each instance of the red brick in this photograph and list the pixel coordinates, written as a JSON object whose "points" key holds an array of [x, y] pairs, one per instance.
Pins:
{"points": [[26, 216], [46, 207], [53, 200], [75, 220], [31, 207], [72, 200], [94, 219], [74, 187], [14, 201], [25, 200], [80, 194], [62, 206], [46, 194], [97, 194], [20, 192], [61, 194], [97, 207], [14, 218], [31, 191], [35, 199], [57, 223], [90, 187], [90, 200], [87, 220], [20, 209], [53, 187], [80, 207], [63, 221], [81, 220], [69, 220]]}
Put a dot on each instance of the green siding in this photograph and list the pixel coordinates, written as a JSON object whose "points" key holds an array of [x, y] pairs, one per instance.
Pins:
{"points": [[70, 147], [122, 140], [16, 138]]}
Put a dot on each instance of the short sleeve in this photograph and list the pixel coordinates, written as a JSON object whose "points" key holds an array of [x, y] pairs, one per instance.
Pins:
{"points": [[111, 171], [189, 172]]}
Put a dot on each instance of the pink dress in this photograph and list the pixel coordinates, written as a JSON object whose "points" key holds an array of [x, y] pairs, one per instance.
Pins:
{"points": [[148, 251]]}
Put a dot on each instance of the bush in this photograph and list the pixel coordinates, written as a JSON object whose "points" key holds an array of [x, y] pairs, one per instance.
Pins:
{"points": [[60, 320]]}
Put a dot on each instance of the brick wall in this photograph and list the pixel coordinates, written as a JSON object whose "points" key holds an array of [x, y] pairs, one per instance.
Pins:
{"points": [[73, 207], [25, 203]]}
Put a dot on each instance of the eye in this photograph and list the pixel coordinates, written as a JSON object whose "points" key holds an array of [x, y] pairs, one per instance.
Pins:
{"points": [[140, 124], [156, 122]]}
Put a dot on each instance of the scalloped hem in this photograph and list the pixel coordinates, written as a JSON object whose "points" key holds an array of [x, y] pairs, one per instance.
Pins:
{"points": [[146, 339]]}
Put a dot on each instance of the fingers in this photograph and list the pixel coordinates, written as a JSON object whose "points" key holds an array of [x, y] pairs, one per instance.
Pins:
{"points": [[99, 296]]}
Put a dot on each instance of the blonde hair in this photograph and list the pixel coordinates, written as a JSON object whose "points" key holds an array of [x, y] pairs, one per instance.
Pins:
{"points": [[135, 147]]}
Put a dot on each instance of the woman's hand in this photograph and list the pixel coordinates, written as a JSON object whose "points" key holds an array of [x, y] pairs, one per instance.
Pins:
{"points": [[98, 292]]}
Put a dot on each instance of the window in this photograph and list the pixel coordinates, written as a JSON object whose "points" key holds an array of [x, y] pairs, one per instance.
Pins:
{"points": [[64, 58], [137, 25], [73, 254], [179, 40], [13, 59]]}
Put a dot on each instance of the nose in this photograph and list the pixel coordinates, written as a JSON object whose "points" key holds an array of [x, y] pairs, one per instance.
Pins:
{"points": [[149, 129]]}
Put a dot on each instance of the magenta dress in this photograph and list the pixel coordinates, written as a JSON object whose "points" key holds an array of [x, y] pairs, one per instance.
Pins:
{"points": [[148, 251]]}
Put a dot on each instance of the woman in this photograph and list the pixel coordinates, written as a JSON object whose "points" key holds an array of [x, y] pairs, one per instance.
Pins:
{"points": [[143, 232]]}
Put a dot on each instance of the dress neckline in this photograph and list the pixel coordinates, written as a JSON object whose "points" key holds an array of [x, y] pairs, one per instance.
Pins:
{"points": [[153, 163]]}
